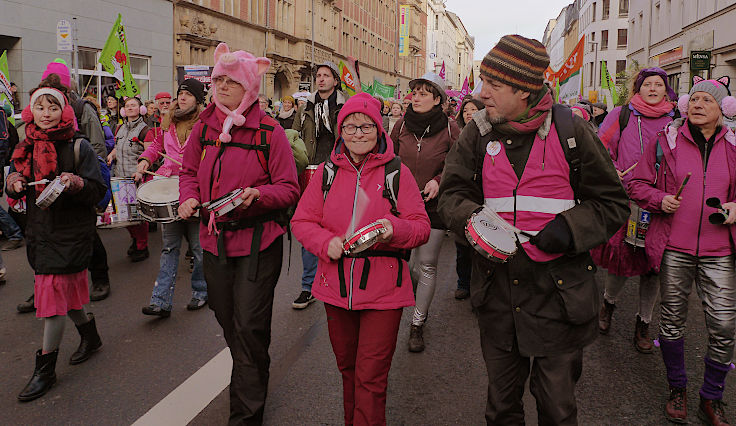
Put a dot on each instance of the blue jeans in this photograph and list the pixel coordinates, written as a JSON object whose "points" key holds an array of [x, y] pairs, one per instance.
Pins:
{"points": [[10, 229], [309, 262], [463, 265], [172, 233]]}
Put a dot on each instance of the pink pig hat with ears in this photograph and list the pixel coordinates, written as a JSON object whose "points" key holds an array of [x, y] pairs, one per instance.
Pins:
{"points": [[717, 88], [247, 70]]}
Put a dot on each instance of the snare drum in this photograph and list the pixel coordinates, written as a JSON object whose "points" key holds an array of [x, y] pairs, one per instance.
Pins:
{"points": [[306, 176], [637, 225], [158, 200], [122, 210], [363, 239], [50, 193], [225, 204], [490, 238]]}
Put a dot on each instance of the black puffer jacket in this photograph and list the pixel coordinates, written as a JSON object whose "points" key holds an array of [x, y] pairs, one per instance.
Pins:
{"points": [[59, 238]]}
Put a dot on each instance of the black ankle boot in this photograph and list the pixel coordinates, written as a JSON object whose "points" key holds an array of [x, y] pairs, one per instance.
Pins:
{"points": [[90, 341], [44, 376]]}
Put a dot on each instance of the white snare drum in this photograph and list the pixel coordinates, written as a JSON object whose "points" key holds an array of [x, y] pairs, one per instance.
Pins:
{"points": [[637, 225], [225, 204], [489, 236], [122, 210], [363, 239], [158, 200], [50, 193]]}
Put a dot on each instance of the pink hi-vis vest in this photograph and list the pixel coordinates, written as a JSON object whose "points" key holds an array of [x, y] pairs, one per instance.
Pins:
{"points": [[543, 191]]}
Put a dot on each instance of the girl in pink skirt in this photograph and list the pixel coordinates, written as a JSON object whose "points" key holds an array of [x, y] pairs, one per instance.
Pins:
{"points": [[60, 236]]}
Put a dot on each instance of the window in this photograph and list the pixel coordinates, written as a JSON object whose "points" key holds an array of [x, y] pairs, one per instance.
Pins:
{"points": [[621, 43], [593, 17], [592, 44], [590, 73], [623, 8], [604, 40], [95, 81], [606, 9], [620, 66]]}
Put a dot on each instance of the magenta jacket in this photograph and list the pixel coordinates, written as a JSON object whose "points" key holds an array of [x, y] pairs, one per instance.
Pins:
{"points": [[648, 187], [168, 143], [240, 168], [317, 221], [625, 147]]}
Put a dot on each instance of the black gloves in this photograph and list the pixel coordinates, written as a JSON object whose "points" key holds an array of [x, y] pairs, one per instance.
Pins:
{"points": [[555, 237]]}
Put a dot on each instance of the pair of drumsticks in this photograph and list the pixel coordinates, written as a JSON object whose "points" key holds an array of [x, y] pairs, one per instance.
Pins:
{"points": [[167, 157], [682, 185]]}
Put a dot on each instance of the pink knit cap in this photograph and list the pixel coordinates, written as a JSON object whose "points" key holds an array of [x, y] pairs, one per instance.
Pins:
{"points": [[364, 103], [59, 69]]}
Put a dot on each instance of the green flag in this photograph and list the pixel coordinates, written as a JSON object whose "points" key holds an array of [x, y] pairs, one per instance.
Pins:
{"points": [[367, 88], [607, 83], [382, 90], [116, 60], [5, 96]]}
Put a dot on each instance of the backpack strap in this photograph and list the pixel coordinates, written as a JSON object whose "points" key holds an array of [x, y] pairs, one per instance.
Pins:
{"points": [[328, 176], [262, 137], [562, 119], [392, 171], [77, 147], [623, 118]]}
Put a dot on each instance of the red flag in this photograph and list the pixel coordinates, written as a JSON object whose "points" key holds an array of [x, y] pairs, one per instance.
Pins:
{"points": [[442, 71], [463, 92], [471, 81]]}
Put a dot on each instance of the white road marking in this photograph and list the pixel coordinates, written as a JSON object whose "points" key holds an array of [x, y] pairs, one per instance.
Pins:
{"points": [[185, 402]]}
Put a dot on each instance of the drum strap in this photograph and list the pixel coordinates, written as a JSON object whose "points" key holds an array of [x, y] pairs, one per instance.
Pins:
{"points": [[367, 254], [255, 247]]}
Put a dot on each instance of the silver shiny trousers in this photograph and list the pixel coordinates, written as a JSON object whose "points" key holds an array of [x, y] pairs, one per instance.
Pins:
{"points": [[715, 282], [424, 272]]}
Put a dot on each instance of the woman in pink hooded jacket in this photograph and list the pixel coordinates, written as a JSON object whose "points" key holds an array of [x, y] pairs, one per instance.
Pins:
{"points": [[235, 146], [363, 294], [689, 240]]}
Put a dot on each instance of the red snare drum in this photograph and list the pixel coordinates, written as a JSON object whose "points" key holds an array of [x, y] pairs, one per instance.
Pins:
{"points": [[363, 239], [306, 176], [490, 237]]}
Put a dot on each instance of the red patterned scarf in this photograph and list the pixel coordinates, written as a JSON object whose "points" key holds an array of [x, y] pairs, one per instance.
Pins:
{"points": [[531, 119], [39, 146]]}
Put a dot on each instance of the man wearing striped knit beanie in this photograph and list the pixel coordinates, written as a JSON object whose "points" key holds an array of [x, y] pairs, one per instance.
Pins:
{"points": [[543, 170]]}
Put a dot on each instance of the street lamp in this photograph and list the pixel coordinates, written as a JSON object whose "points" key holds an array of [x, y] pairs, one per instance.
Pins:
{"points": [[594, 45]]}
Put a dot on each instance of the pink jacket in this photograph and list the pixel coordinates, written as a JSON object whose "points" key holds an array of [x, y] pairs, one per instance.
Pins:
{"points": [[240, 168], [167, 143], [648, 187], [317, 221]]}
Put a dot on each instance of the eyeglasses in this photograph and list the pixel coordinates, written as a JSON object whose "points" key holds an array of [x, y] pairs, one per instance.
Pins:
{"points": [[365, 129], [227, 81]]}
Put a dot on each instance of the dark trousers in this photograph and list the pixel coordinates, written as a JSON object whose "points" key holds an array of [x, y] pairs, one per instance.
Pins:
{"points": [[243, 310], [364, 343], [552, 383], [98, 265], [463, 265]]}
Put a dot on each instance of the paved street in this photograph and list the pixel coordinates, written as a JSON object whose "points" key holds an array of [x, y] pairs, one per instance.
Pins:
{"points": [[143, 359]]}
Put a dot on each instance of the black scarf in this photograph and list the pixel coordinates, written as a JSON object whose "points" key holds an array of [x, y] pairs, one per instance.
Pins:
{"points": [[417, 123]]}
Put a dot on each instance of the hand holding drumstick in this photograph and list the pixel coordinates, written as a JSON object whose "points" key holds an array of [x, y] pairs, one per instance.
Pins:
{"points": [[670, 203]]}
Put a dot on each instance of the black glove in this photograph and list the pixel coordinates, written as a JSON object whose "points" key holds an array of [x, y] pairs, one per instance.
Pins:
{"points": [[555, 237]]}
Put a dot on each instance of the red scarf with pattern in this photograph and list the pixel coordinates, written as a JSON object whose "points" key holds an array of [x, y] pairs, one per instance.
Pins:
{"points": [[39, 147]]}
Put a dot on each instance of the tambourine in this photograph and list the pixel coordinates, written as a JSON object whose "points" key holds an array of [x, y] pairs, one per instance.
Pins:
{"points": [[223, 205], [363, 239], [50, 193], [489, 236]]}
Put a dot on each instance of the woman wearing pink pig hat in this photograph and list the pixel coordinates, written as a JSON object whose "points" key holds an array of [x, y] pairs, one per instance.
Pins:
{"points": [[363, 293], [235, 146]]}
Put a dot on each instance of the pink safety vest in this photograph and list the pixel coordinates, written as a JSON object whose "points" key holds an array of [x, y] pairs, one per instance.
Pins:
{"points": [[543, 192]]}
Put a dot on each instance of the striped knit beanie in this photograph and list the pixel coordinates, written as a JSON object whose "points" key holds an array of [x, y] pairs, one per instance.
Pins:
{"points": [[517, 61]]}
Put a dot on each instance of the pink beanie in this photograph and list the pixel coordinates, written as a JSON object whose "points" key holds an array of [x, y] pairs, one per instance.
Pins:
{"points": [[247, 70], [364, 103], [59, 69], [586, 116]]}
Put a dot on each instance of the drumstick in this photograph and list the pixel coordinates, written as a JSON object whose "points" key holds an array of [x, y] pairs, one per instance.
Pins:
{"points": [[170, 158], [152, 173], [629, 169], [682, 186]]}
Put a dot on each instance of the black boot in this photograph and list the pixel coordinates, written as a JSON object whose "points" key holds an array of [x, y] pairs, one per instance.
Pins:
{"points": [[90, 341], [44, 376], [27, 306], [132, 248], [99, 291]]}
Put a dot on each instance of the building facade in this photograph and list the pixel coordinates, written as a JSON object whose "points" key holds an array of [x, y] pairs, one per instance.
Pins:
{"points": [[666, 33], [28, 33], [554, 40], [414, 63], [448, 42]]}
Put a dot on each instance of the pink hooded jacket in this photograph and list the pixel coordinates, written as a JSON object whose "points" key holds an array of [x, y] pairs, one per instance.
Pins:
{"points": [[168, 143], [240, 168], [649, 186], [317, 221]]}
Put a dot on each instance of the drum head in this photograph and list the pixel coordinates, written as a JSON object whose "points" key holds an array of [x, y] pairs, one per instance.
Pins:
{"points": [[160, 190], [494, 235]]}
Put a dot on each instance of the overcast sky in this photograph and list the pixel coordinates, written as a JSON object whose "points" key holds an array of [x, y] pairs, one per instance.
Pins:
{"points": [[489, 20]]}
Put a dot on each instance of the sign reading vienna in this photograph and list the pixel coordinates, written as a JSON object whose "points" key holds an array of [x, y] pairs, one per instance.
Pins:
{"points": [[699, 60]]}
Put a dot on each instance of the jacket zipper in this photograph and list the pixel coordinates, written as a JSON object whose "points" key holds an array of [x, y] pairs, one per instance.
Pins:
{"points": [[352, 230], [700, 222]]}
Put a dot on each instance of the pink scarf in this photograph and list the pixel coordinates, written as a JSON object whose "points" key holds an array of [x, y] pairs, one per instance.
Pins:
{"points": [[531, 120], [652, 111]]}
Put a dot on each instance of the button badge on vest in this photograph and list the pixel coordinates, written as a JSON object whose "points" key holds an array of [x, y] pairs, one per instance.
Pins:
{"points": [[493, 149]]}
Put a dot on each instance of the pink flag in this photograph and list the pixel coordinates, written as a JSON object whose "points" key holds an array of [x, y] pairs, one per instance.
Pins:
{"points": [[442, 71], [463, 92]]}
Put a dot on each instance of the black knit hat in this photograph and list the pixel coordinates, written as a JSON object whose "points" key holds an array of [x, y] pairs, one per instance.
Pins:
{"points": [[517, 61], [195, 87]]}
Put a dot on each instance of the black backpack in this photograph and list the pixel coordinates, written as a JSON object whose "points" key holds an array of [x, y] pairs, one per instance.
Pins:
{"points": [[392, 175]]}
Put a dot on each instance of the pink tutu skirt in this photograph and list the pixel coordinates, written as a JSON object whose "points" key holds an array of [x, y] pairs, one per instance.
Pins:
{"points": [[57, 294], [620, 258]]}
